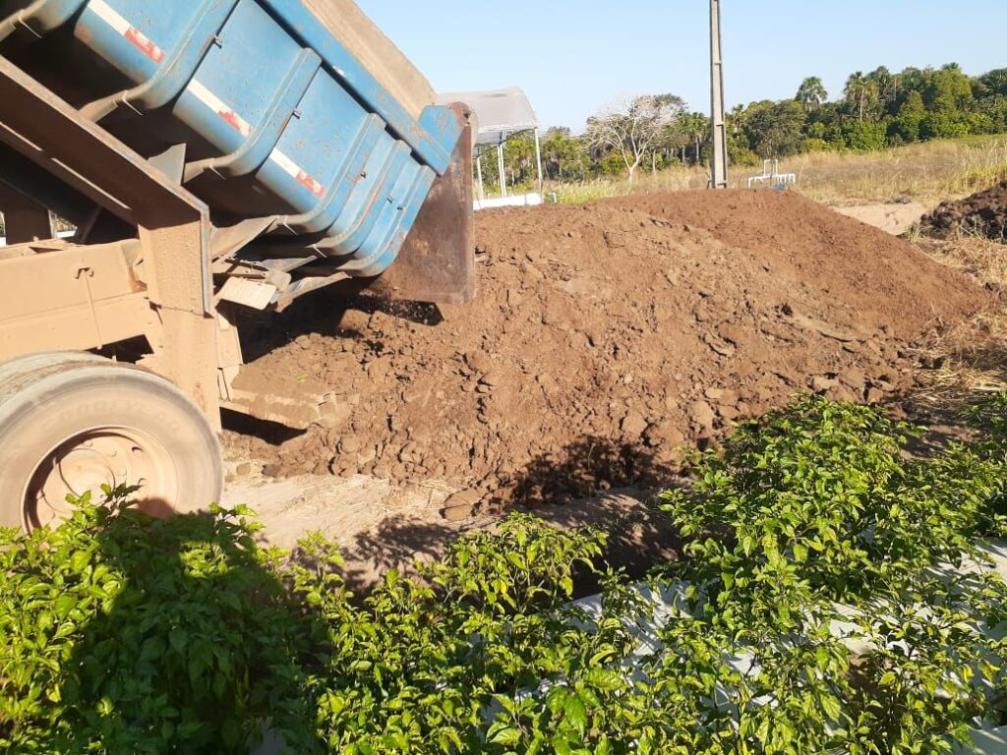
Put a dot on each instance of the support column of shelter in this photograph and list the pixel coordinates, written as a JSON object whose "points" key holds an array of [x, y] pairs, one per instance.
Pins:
{"points": [[501, 166], [500, 114], [479, 171], [538, 161]]}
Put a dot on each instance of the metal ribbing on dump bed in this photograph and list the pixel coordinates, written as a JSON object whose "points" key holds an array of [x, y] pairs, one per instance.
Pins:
{"points": [[286, 118]]}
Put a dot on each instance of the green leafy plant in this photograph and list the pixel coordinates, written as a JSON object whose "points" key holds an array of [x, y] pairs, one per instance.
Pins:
{"points": [[128, 634], [832, 597], [815, 517], [477, 628], [821, 501]]}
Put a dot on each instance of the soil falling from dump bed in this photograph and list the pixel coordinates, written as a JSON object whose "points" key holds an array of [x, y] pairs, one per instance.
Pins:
{"points": [[605, 337]]}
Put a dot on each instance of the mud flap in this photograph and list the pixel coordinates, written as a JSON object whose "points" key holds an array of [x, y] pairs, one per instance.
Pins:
{"points": [[437, 261]]}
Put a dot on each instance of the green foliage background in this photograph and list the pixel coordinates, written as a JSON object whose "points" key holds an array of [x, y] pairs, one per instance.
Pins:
{"points": [[875, 110], [814, 609]]}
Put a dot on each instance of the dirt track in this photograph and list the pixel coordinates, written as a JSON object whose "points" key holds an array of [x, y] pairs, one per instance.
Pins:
{"points": [[604, 338]]}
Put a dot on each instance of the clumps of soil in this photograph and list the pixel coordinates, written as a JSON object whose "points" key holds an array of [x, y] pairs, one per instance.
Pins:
{"points": [[983, 214], [605, 338]]}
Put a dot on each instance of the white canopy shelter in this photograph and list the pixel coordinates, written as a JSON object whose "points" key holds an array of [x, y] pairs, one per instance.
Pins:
{"points": [[500, 114]]}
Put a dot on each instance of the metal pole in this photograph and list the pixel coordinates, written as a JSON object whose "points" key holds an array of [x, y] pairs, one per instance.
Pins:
{"points": [[503, 170], [479, 172], [538, 159], [718, 168]]}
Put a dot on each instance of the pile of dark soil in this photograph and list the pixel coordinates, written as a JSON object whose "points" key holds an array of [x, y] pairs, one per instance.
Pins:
{"points": [[604, 338], [984, 213]]}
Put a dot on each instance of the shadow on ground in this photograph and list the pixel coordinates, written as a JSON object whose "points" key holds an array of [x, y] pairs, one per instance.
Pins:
{"points": [[594, 482], [273, 433]]}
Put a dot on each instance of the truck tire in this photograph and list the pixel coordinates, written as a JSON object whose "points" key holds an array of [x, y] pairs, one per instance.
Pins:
{"points": [[72, 422]]}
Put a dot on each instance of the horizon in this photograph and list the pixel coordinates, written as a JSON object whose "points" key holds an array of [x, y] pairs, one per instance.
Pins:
{"points": [[767, 54]]}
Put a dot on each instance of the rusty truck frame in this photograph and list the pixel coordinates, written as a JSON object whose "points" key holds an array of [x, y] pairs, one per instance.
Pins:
{"points": [[69, 419]]}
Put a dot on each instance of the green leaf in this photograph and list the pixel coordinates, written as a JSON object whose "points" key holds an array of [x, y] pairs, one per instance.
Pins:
{"points": [[575, 713], [79, 560], [507, 736], [179, 639], [64, 604], [604, 679]]}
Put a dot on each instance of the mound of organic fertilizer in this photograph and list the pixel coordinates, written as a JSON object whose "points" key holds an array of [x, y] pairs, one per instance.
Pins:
{"points": [[983, 213], [604, 338]]}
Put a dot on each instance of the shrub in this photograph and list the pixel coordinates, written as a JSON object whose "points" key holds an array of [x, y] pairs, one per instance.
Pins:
{"points": [[820, 505], [128, 634], [816, 145], [815, 609], [865, 136], [820, 501]]}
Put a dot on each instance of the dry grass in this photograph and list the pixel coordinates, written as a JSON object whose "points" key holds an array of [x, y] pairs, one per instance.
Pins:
{"points": [[982, 259], [672, 179], [928, 173], [970, 358], [968, 361]]}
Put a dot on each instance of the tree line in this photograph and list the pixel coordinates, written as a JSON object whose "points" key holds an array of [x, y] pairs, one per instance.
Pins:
{"points": [[875, 110]]}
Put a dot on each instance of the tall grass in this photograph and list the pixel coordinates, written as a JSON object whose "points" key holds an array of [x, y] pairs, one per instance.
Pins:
{"points": [[926, 173], [968, 357], [670, 179]]}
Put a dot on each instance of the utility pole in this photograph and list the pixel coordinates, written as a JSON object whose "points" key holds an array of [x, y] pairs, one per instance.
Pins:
{"points": [[718, 168]]}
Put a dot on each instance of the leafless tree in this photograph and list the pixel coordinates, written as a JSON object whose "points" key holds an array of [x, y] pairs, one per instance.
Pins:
{"points": [[632, 126]]}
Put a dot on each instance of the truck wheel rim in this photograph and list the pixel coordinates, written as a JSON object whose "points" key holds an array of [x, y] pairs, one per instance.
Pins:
{"points": [[111, 456]]}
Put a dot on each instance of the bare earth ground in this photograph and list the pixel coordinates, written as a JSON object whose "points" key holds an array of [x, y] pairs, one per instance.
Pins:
{"points": [[605, 338], [893, 218], [380, 526]]}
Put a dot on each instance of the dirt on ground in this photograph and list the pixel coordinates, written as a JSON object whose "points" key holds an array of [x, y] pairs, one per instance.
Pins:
{"points": [[892, 217], [604, 339], [983, 214]]}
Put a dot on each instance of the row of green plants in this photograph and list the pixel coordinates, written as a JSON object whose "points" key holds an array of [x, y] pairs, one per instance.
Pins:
{"points": [[813, 610]]}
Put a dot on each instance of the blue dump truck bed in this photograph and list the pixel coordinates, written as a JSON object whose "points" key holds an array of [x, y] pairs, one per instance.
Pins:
{"points": [[277, 114]]}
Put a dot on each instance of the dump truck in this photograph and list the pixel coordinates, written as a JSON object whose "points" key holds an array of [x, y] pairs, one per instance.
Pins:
{"points": [[205, 159]]}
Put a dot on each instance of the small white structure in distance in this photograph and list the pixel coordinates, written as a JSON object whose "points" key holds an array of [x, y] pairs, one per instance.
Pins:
{"points": [[514, 200], [500, 114], [771, 176]]}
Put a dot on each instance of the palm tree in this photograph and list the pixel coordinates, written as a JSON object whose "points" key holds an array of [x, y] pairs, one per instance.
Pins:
{"points": [[886, 82], [860, 92], [695, 127], [811, 94]]}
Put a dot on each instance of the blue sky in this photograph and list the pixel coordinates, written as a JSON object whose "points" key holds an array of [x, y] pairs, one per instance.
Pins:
{"points": [[573, 56]]}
